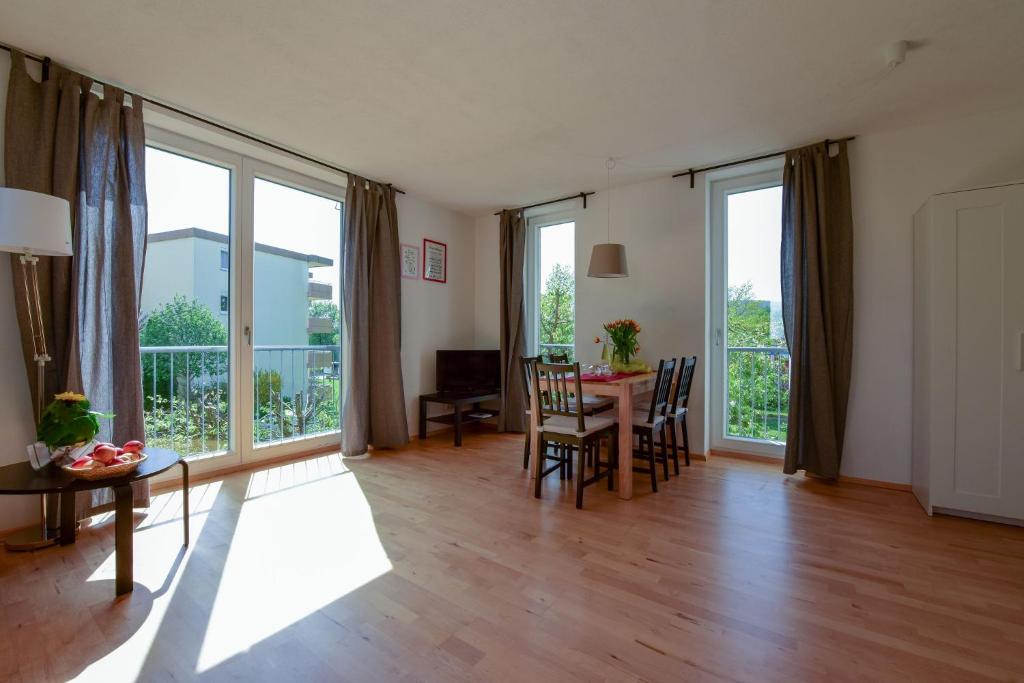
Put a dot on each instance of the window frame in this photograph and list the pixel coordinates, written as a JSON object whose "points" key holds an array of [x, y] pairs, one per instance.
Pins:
{"points": [[531, 272], [245, 167], [743, 179]]}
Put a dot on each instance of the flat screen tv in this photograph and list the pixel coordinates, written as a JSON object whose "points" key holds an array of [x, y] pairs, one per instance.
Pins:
{"points": [[465, 372]]}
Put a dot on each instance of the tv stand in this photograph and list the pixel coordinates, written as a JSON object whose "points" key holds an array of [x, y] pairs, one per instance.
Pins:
{"points": [[459, 416]]}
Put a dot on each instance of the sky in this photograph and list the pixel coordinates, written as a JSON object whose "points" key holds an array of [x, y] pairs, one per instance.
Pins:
{"points": [[755, 235], [557, 245], [185, 193]]}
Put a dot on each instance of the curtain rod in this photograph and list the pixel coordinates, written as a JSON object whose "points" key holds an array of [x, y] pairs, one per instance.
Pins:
{"points": [[578, 195], [45, 61], [693, 171]]}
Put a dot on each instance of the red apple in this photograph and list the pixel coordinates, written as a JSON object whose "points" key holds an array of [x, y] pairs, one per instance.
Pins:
{"points": [[134, 446], [104, 454], [82, 463]]}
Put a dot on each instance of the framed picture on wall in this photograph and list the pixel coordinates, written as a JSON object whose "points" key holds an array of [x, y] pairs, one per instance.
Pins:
{"points": [[435, 261], [410, 255]]}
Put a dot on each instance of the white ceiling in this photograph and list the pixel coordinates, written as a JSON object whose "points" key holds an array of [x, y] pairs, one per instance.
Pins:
{"points": [[478, 104]]}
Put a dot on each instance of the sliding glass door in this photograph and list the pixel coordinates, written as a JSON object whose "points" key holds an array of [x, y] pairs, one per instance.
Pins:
{"points": [[750, 361], [296, 314], [240, 315]]}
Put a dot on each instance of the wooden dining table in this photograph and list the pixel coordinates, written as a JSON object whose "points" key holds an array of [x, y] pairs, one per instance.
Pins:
{"points": [[623, 390]]}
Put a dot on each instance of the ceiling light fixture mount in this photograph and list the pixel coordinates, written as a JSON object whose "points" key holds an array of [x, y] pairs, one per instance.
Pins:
{"points": [[608, 259]]}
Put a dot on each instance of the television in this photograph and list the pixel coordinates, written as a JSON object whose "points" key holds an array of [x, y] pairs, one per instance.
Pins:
{"points": [[468, 372]]}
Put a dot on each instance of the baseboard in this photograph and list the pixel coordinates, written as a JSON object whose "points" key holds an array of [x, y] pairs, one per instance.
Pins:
{"points": [[877, 483], [843, 479], [4, 533], [751, 457], [466, 429]]}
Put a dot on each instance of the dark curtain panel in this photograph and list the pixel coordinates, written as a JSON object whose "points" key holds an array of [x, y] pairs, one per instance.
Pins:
{"points": [[817, 305], [63, 140], [513, 321], [374, 406]]}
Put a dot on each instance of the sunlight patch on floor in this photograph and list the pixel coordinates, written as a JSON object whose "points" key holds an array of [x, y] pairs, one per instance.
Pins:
{"points": [[157, 545], [291, 554], [285, 476]]}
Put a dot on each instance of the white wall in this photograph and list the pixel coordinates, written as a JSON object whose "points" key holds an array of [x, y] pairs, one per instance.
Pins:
{"points": [[662, 223], [893, 172], [434, 315]]}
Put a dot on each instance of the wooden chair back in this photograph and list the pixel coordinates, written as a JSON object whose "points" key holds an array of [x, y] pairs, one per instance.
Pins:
{"points": [[555, 385], [681, 396], [662, 385]]}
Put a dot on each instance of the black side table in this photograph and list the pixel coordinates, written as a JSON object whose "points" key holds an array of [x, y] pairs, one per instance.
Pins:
{"points": [[458, 416], [21, 479]]}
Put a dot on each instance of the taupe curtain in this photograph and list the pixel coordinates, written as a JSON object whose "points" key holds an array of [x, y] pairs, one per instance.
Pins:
{"points": [[817, 305], [374, 406], [513, 321], [61, 139]]}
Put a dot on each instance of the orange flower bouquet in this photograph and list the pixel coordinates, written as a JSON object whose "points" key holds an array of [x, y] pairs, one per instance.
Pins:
{"points": [[623, 336]]}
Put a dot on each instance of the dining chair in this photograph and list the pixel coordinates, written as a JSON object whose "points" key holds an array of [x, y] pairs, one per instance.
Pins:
{"points": [[560, 421], [677, 410], [591, 404], [647, 423], [526, 366]]}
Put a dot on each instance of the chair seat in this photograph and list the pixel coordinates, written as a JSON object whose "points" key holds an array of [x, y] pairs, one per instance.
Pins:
{"points": [[640, 419], [679, 412], [563, 424]]}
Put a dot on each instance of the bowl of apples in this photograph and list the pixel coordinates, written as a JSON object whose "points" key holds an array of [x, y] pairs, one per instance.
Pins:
{"points": [[107, 460]]}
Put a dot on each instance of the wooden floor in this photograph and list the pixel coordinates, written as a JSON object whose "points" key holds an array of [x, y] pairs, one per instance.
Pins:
{"points": [[435, 564]]}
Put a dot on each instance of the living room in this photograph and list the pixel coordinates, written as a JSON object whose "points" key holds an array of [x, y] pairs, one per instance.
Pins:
{"points": [[485, 341]]}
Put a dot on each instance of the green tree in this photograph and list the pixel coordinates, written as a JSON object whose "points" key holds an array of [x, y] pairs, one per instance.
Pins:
{"points": [[558, 307], [186, 323], [325, 309], [749, 319], [758, 380], [181, 322]]}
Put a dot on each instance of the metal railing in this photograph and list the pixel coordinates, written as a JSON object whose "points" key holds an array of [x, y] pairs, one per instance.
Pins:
{"points": [[546, 349], [758, 392], [296, 392]]}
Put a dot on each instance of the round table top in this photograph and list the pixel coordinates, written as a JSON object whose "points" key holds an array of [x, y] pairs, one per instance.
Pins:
{"points": [[20, 478]]}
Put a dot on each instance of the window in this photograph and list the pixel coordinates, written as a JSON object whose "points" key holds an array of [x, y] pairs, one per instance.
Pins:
{"points": [[750, 361], [552, 293], [240, 338], [297, 343], [186, 359]]}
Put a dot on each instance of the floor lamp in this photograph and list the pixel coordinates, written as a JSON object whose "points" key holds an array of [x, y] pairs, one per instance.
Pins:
{"points": [[34, 224]]}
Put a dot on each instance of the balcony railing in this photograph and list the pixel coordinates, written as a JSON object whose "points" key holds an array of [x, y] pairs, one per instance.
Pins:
{"points": [[296, 392], [758, 393], [547, 349]]}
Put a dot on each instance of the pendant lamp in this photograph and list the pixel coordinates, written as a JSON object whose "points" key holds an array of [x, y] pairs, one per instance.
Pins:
{"points": [[608, 259]]}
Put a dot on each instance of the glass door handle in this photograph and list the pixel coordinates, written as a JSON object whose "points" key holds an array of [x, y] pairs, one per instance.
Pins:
{"points": [[247, 331]]}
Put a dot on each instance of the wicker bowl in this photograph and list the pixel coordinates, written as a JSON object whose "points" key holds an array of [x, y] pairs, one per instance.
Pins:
{"points": [[108, 472]]}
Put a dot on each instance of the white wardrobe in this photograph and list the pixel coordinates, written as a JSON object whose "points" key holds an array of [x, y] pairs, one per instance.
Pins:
{"points": [[968, 439]]}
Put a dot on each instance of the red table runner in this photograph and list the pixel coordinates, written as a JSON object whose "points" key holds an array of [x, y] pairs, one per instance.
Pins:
{"points": [[608, 378]]}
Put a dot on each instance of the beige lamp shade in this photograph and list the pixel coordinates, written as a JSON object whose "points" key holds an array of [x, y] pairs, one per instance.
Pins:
{"points": [[608, 260], [34, 222]]}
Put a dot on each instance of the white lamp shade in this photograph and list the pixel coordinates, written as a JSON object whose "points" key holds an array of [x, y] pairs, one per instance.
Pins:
{"points": [[35, 222], [608, 260]]}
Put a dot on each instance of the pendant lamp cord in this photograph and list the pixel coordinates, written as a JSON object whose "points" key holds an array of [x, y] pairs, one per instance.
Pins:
{"points": [[610, 164]]}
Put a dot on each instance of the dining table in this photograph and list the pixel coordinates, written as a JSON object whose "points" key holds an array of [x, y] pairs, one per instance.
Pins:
{"points": [[623, 390]]}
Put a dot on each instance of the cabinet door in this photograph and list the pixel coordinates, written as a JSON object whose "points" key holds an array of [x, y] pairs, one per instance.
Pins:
{"points": [[983, 233]]}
